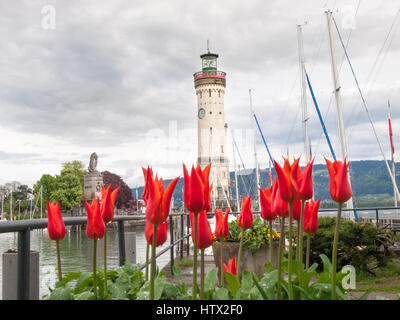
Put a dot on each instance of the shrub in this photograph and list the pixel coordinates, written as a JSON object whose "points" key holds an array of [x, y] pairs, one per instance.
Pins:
{"points": [[361, 245], [254, 237]]}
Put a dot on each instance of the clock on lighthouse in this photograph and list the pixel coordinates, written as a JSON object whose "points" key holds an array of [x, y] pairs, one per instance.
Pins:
{"points": [[210, 90]]}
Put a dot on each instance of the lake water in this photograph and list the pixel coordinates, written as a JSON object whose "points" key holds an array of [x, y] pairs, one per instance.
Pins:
{"points": [[76, 253]]}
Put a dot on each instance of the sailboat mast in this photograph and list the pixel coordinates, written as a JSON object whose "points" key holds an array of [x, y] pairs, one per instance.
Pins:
{"points": [[303, 93], [255, 154], [392, 152], [236, 177], [338, 99]]}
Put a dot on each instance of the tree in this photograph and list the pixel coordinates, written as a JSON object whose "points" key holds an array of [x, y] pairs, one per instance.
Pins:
{"points": [[77, 168], [124, 197], [49, 184], [69, 190]]}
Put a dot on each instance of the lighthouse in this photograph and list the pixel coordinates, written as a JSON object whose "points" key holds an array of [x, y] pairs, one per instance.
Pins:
{"points": [[210, 84]]}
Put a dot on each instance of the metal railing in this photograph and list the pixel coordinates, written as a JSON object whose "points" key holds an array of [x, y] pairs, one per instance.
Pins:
{"points": [[23, 227]]}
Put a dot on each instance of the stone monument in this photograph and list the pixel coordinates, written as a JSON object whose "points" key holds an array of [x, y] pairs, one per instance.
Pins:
{"points": [[93, 180]]}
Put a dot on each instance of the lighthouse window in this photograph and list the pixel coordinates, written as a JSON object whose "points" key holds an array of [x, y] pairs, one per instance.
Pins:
{"points": [[219, 93], [222, 149], [200, 94], [210, 130], [209, 92]]}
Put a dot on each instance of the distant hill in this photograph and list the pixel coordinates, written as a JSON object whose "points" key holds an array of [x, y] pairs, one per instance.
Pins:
{"points": [[370, 181]]}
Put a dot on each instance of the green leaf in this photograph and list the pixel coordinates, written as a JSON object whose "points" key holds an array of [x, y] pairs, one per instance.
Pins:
{"points": [[171, 291], [86, 295], [313, 267], [61, 294], [84, 279], [177, 272], [136, 282], [144, 292], [262, 292], [159, 284], [210, 280], [232, 282], [71, 276], [221, 294], [327, 263], [118, 291], [247, 280], [269, 267]]}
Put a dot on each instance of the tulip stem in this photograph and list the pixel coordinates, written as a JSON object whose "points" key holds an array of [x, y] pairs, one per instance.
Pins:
{"points": [[94, 268], [153, 262], [300, 243], [334, 250], [280, 257], [222, 263], [240, 252], [105, 261], [301, 226], [147, 261], [194, 289], [308, 251], [58, 260], [290, 251], [271, 244], [202, 274]]}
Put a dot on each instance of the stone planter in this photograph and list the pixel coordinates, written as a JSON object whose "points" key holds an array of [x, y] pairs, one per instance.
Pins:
{"points": [[249, 261], [10, 271]]}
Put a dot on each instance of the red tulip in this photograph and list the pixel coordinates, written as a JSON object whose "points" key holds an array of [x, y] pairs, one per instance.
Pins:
{"points": [[297, 210], [245, 220], [231, 267], [279, 207], [311, 217], [158, 200], [221, 224], [55, 224], [197, 189], [108, 203], [339, 186], [162, 230], [288, 177], [266, 204], [306, 188], [204, 236], [145, 191], [95, 227]]}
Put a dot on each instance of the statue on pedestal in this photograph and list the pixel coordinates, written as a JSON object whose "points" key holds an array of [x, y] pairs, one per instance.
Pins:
{"points": [[93, 179]]}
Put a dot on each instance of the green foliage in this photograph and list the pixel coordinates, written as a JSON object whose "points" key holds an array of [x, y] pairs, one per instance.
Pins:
{"points": [[127, 283], [77, 168], [69, 190], [360, 244], [67, 187], [49, 184], [254, 237]]}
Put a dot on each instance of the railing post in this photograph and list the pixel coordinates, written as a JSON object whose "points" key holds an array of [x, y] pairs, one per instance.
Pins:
{"points": [[24, 243], [188, 238], [171, 233], [121, 242], [181, 252], [377, 217]]}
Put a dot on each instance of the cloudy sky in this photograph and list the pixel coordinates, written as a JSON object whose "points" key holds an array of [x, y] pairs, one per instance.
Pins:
{"points": [[116, 78]]}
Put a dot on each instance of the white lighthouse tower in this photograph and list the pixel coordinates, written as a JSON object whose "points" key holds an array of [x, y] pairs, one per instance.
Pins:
{"points": [[210, 90]]}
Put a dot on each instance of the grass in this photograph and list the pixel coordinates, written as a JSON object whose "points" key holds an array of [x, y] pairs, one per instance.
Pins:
{"points": [[387, 279], [184, 263]]}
